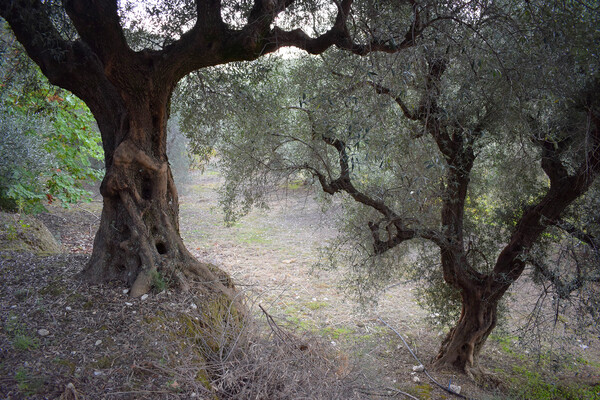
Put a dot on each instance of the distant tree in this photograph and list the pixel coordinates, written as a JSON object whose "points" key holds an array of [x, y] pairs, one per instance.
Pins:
{"points": [[482, 143], [82, 46]]}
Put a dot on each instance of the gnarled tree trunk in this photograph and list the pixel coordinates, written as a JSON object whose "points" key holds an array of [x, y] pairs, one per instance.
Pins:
{"points": [[463, 343], [139, 228]]}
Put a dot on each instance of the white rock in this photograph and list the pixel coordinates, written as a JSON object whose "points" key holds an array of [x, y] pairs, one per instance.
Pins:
{"points": [[43, 332], [416, 379], [128, 304], [98, 342], [68, 308], [125, 291], [455, 388], [194, 306], [97, 373], [419, 368], [144, 297]]}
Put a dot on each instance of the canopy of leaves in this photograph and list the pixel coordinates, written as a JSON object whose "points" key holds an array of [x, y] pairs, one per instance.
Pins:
{"points": [[517, 77]]}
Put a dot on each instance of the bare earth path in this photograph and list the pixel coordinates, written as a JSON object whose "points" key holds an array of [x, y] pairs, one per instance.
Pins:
{"points": [[273, 252]]}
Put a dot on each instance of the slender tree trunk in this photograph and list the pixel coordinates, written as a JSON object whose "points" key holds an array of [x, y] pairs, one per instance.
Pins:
{"points": [[139, 228], [463, 343]]}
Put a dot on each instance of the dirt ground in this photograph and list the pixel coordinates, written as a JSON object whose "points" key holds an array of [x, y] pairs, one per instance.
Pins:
{"points": [[63, 339]]}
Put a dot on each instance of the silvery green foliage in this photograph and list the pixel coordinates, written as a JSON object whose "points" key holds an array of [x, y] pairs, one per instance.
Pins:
{"points": [[518, 72]]}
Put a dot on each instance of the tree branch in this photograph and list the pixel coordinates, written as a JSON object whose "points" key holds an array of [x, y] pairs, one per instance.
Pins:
{"points": [[208, 45], [563, 289], [344, 184], [98, 25], [380, 89], [577, 233], [208, 13], [564, 189], [70, 65]]}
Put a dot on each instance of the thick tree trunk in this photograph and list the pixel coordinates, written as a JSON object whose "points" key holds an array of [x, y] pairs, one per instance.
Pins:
{"points": [[462, 346], [139, 235]]}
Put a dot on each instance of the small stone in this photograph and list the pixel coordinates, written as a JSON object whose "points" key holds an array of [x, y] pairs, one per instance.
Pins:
{"points": [[70, 386], [454, 388], [125, 291], [68, 308], [144, 297], [194, 306], [98, 342], [416, 379], [418, 368], [360, 324], [128, 303], [97, 373], [43, 332]]}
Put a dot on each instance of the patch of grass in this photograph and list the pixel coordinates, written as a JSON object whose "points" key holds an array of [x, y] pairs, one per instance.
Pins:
{"points": [[21, 294], [300, 323], [295, 184], [423, 391], [105, 362], [315, 305], [158, 281], [506, 344], [253, 237], [70, 365], [54, 288], [20, 340], [27, 383], [583, 361], [88, 305], [337, 333], [24, 342], [531, 385]]}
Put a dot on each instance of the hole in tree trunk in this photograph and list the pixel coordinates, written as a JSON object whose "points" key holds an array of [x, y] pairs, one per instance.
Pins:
{"points": [[161, 248], [146, 188]]}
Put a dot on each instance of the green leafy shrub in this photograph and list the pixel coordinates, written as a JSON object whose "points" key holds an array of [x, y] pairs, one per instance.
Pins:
{"points": [[49, 146]]}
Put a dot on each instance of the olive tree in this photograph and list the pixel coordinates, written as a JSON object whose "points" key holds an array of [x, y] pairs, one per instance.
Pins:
{"points": [[483, 141], [127, 80]]}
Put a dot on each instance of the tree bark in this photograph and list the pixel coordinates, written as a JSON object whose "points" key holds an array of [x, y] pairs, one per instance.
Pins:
{"points": [[463, 343], [139, 229]]}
